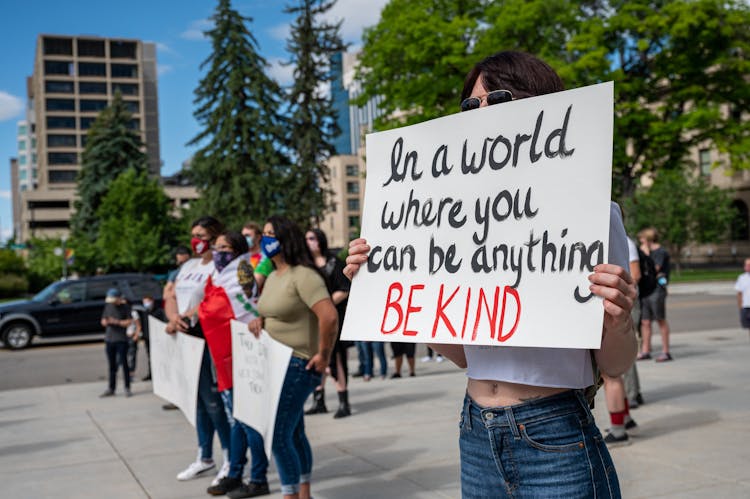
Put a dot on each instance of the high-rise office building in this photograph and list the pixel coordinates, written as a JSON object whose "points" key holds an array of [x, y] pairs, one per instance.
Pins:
{"points": [[74, 78]]}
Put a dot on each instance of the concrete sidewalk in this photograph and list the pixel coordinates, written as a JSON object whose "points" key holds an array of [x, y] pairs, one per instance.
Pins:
{"points": [[694, 438]]}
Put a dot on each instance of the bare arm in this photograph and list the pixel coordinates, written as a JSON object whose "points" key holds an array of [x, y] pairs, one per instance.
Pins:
{"points": [[739, 300], [339, 296], [635, 271], [175, 323], [615, 286], [328, 325], [454, 353]]}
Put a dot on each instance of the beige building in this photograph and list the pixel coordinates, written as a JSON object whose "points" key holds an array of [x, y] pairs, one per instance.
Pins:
{"points": [[74, 78], [347, 183]]}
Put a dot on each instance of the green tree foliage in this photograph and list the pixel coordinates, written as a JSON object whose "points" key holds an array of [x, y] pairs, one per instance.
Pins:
{"points": [[678, 66], [111, 148], [45, 266], [136, 231], [313, 127], [240, 167], [683, 209], [13, 281], [416, 57]]}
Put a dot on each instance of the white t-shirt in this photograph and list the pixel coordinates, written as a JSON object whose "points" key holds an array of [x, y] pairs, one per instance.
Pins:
{"points": [[632, 253], [743, 286], [191, 283], [550, 367]]}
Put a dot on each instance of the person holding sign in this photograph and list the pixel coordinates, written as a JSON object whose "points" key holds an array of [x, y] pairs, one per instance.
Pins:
{"points": [[296, 310], [526, 429], [231, 293], [181, 306]]}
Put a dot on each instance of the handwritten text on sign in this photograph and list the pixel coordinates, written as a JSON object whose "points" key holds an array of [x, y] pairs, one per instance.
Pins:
{"points": [[484, 225], [175, 367], [259, 367]]}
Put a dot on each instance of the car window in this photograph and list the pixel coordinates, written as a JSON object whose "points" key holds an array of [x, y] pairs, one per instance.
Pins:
{"points": [[144, 287], [97, 290], [72, 293], [48, 292]]}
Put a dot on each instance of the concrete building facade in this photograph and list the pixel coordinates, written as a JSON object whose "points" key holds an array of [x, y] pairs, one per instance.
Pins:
{"points": [[74, 78]]}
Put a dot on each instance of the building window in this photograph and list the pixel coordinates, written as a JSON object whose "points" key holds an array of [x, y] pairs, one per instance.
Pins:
{"points": [[58, 46], [21, 145], [22, 160], [33, 158], [92, 69], [21, 174], [132, 106], [134, 125], [62, 176], [34, 173], [86, 123], [61, 105], [61, 122], [61, 140], [352, 204], [739, 227], [352, 187], [352, 170], [22, 129], [91, 105], [125, 88], [90, 48], [62, 158], [58, 87], [83, 140], [124, 71], [705, 161], [353, 222], [33, 142], [52, 204], [58, 68], [122, 50], [92, 87], [49, 224]]}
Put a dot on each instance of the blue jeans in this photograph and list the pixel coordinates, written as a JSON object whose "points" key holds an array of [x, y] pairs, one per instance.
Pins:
{"points": [[209, 410], [367, 348], [548, 447], [116, 356], [241, 436], [291, 449]]}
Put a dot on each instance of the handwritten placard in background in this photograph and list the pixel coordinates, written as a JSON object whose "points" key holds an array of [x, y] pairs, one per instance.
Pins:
{"points": [[484, 225]]}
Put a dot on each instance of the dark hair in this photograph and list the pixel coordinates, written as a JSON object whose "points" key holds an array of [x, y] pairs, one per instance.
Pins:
{"points": [[523, 74], [182, 250], [322, 241], [212, 226], [253, 227], [293, 246], [237, 241]]}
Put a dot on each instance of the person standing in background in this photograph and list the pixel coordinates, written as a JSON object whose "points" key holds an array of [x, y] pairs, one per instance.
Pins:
{"points": [[653, 306], [116, 319], [742, 286]]}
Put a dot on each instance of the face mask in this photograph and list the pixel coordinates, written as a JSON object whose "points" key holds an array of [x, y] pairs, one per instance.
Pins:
{"points": [[199, 245], [148, 305], [250, 241], [270, 246], [222, 259]]}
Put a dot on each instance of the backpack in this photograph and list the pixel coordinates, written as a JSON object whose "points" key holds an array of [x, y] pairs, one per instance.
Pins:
{"points": [[648, 281]]}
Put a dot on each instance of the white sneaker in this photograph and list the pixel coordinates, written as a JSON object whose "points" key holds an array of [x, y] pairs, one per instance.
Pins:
{"points": [[223, 472], [439, 358], [426, 358], [196, 468]]}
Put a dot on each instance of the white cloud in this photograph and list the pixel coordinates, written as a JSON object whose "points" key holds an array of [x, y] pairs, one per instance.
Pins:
{"points": [[6, 233], [282, 73], [10, 106], [5, 195], [163, 47], [162, 69], [280, 32], [357, 15], [196, 30]]}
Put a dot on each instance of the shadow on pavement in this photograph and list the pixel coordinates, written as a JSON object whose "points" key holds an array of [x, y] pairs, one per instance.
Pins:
{"points": [[676, 391]]}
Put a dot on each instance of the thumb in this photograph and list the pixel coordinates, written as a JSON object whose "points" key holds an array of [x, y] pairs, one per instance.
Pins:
{"points": [[310, 365]]}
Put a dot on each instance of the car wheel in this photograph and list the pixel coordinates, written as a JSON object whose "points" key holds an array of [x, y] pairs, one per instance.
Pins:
{"points": [[17, 335]]}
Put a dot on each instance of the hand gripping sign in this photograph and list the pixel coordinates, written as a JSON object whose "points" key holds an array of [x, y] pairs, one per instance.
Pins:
{"points": [[484, 225]]}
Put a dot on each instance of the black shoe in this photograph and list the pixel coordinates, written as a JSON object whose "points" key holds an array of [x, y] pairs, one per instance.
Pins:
{"points": [[224, 486], [612, 441], [319, 403], [169, 407], [146, 378], [639, 399], [344, 409], [108, 393], [631, 426], [395, 375], [251, 489], [358, 374], [128, 393]]}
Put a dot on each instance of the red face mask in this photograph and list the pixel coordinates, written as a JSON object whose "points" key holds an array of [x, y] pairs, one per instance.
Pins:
{"points": [[199, 245]]}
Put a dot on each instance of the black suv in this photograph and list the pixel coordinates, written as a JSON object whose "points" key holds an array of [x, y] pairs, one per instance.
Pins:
{"points": [[70, 307]]}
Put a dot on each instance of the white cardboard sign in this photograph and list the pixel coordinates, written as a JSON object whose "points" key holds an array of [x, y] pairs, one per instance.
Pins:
{"points": [[484, 225], [259, 366], [175, 367]]}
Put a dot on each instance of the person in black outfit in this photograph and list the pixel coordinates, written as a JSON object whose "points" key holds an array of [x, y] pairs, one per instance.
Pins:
{"points": [[146, 310], [115, 319]]}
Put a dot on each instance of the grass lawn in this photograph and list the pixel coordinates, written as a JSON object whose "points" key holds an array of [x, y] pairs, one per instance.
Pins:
{"points": [[696, 275]]}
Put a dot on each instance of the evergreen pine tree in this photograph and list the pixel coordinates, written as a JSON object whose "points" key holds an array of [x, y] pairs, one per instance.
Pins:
{"points": [[313, 43], [240, 165], [111, 148]]}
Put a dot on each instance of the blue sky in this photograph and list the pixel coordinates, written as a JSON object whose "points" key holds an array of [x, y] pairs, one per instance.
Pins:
{"points": [[175, 26]]}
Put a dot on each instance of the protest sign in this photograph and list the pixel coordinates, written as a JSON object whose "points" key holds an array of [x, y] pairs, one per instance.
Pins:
{"points": [[259, 367], [484, 225], [175, 367]]}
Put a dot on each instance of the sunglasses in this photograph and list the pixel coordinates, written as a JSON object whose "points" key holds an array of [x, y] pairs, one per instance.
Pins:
{"points": [[492, 98]]}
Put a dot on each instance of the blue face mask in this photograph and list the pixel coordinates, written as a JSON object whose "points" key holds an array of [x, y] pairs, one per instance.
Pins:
{"points": [[270, 246], [250, 241], [222, 259]]}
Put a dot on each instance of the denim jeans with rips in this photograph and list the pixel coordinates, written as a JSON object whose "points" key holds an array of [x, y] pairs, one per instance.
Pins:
{"points": [[210, 415], [291, 449], [242, 436], [548, 447]]}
